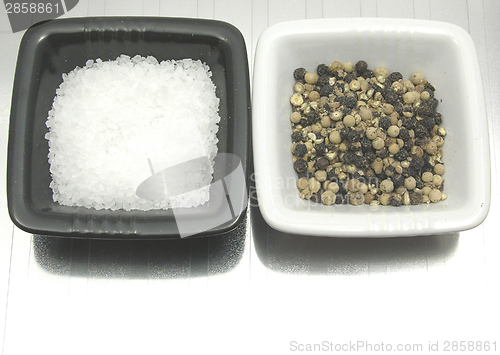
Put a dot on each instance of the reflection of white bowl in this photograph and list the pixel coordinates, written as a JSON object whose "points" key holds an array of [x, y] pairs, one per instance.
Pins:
{"points": [[446, 55]]}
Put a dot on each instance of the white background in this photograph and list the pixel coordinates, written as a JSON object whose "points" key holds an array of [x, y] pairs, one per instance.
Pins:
{"points": [[256, 290]]}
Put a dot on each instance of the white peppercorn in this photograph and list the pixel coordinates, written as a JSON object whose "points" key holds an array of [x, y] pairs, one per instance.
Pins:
{"points": [[333, 187], [298, 88], [320, 175], [426, 190], [296, 100], [431, 148], [311, 78], [314, 96], [387, 109], [387, 186], [314, 185], [425, 95], [435, 195], [427, 176], [384, 199], [328, 197], [410, 183], [381, 72], [349, 121], [353, 185], [295, 117], [417, 78], [437, 180], [302, 184], [371, 133], [394, 148], [325, 121], [393, 131], [439, 169], [365, 113], [354, 85], [335, 137], [378, 143], [336, 115], [348, 67], [409, 98]]}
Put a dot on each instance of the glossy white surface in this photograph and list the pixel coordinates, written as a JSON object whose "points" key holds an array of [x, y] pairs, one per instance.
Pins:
{"points": [[257, 290], [444, 52]]}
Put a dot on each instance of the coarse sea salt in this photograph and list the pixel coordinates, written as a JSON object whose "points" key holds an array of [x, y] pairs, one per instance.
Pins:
{"points": [[114, 124]]}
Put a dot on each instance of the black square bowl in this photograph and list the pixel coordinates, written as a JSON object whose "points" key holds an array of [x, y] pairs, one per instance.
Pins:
{"points": [[49, 49]]}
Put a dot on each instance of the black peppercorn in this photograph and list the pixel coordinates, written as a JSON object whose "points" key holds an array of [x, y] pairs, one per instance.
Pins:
{"points": [[427, 107], [361, 162], [419, 182], [312, 117], [303, 122], [343, 133], [300, 166], [389, 171], [402, 155], [408, 109], [349, 77], [323, 80], [366, 145], [416, 198], [321, 149], [322, 69], [428, 122], [361, 67], [350, 102], [409, 144], [370, 156], [349, 157], [398, 107], [296, 136], [390, 96], [300, 150], [354, 136], [409, 122], [421, 131], [316, 197], [299, 73], [339, 199], [398, 180], [417, 163], [438, 118], [395, 200], [395, 76], [404, 134], [355, 175], [368, 74], [322, 163], [384, 122], [330, 175], [326, 90], [304, 175], [382, 153], [326, 107], [429, 87]]}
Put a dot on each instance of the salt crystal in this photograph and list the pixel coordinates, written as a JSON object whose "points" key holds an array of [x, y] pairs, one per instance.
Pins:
{"points": [[110, 118]]}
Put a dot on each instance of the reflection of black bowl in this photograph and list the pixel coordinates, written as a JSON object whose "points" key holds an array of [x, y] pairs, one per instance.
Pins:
{"points": [[51, 48]]}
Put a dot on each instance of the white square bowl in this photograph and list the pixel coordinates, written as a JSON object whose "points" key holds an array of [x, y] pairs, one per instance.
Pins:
{"points": [[445, 53]]}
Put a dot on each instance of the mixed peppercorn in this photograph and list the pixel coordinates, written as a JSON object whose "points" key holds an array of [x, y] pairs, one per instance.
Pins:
{"points": [[366, 136]]}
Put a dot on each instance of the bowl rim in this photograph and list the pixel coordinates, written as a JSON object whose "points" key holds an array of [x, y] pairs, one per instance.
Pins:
{"points": [[271, 212], [21, 210]]}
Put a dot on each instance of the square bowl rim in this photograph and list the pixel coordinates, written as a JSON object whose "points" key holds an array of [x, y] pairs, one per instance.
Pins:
{"points": [[23, 214], [269, 40]]}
